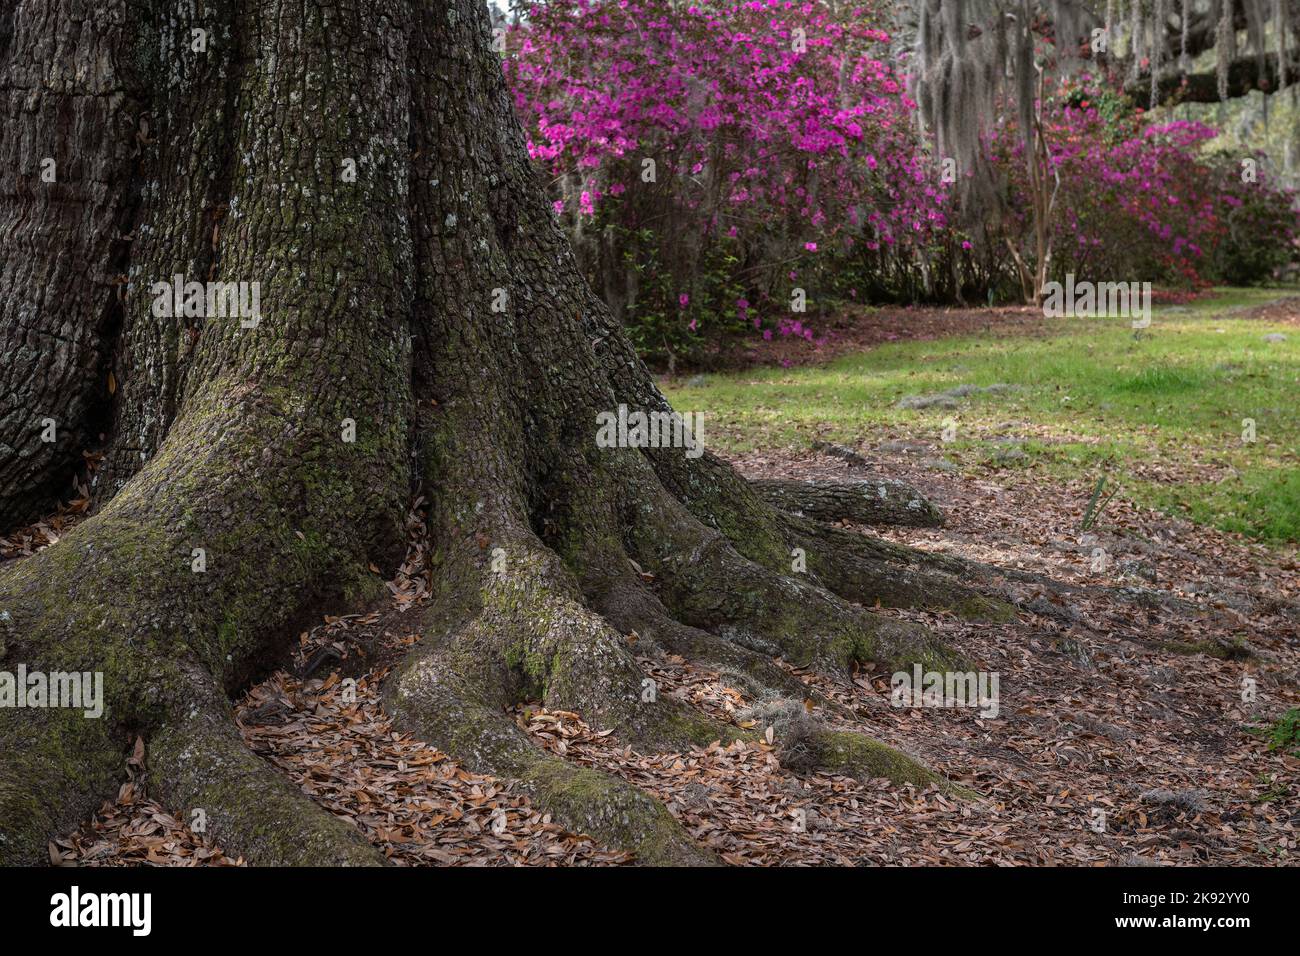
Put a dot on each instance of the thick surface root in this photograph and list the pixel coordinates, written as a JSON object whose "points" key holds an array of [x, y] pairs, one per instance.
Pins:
{"points": [[866, 569], [432, 702], [512, 623], [118, 598], [705, 582], [199, 763], [530, 637], [874, 501], [632, 608], [55, 769]]}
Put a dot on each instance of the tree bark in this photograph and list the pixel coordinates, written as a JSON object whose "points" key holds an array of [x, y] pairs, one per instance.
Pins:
{"points": [[877, 501], [422, 324], [67, 92], [1245, 75]]}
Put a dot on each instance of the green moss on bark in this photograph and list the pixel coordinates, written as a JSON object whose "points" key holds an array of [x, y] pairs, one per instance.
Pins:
{"points": [[200, 764], [58, 765], [613, 811]]}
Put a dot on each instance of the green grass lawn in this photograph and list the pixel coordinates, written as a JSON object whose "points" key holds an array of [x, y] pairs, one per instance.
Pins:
{"points": [[1160, 414]]}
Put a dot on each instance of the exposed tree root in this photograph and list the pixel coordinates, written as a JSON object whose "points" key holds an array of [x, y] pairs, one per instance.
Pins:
{"points": [[120, 596], [873, 501], [198, 762], [705, 582], [430, 698], [865, 568], [632, 608], [55, 769], [513, 622], [522, 632]]}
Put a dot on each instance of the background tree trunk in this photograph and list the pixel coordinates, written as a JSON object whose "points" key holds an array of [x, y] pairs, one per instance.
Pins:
{"points": [[433, 305]]}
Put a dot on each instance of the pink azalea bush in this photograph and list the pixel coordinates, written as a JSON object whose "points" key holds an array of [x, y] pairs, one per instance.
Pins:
{"points": [[1141, 201], [781, 140], [715, 164]]}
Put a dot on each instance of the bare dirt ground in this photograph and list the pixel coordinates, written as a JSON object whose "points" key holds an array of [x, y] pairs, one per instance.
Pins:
{"points": [[857, 330], [1285, 311]]}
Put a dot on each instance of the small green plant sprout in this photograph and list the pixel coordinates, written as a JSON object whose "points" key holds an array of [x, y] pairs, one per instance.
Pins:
{"points": [[1096, 504], [1284, 734], [1274, 787]]}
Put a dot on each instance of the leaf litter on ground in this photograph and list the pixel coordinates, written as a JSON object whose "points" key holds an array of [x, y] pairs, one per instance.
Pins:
{"points": [[1096, 716]]}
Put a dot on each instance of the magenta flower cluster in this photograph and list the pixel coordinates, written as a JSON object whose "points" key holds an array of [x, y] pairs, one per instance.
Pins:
{"points": [[737, 152]]}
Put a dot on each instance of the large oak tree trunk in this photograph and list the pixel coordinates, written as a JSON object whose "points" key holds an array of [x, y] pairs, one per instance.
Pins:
{"points": [[429, 303]]}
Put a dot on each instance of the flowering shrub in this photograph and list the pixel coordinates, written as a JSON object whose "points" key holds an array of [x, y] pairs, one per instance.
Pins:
{"points": [[709, 162], [719, 166], [1145, 201], [1259, 230]]}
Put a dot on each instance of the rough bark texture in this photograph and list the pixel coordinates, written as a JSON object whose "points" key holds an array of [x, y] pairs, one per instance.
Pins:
{"points": [[253, 469], [66, 91], [377, 312], [1244, 75], [881, 501]]}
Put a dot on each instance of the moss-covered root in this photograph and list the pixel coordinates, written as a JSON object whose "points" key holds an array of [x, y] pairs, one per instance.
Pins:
{"points": [[198, 766], [630, 607], [866, 569], [706, 583], [533, 637], [858, 756], [56, 768], [612, 810], [428, 698], [804, 744]]}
